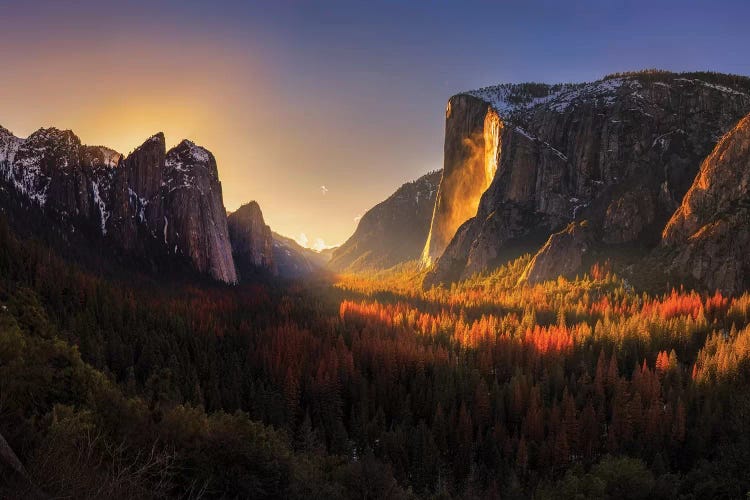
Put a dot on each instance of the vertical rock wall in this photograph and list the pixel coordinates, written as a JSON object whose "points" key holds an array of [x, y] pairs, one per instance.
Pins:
{"points": [[152, 204], [620, 152], [472, 147]]}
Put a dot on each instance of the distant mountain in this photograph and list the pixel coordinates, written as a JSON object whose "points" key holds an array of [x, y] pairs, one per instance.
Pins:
{"points": [[154, 204], [538, 160], [292, 260], [393, 231], [252, 240]]}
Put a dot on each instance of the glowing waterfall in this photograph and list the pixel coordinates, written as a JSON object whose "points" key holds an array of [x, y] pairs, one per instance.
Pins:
{"points": [[463, 183]]}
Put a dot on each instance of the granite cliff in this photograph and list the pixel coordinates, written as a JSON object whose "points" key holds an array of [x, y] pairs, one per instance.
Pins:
{"points": [[708, 237], [153, 204], [619, 153], [252, 240]]}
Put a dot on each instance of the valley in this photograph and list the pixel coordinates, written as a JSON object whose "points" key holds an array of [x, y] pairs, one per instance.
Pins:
{"points": [[562, 311]]}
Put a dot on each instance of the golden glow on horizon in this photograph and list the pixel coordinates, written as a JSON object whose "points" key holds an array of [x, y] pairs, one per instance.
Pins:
{"points": [[125, 124], [272, 144]]}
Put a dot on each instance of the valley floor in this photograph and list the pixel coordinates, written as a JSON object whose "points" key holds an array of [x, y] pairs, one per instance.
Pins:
{"points": [[368, 387]]}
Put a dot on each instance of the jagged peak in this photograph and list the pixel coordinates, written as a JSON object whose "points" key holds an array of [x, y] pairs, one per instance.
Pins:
{"points": [[250, 205], [250, 210], [155, 141], [191, 149], [249, 213], [154, 144], [157, 137], [54, 134], [183, 160], [5, 132]]}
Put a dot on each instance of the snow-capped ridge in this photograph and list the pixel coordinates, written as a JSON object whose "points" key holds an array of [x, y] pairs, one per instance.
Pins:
{"points": [[126, 200], [198, 153], [513, 99], [510, 99], [618, 153]]}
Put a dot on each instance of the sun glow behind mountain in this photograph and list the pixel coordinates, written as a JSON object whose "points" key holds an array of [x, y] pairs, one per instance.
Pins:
{"points": [[117, 87], [291, 97]]}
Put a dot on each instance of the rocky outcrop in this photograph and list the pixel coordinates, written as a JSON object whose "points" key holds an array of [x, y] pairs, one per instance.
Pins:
{"points": [[472, 142], [393, 231], [620, 152], [9, 145], [152, 204], [708, 237], [252, 240], [562, 255], [194, 214]]}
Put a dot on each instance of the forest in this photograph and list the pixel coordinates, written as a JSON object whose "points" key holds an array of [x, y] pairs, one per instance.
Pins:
{"points": [[367, 386]]}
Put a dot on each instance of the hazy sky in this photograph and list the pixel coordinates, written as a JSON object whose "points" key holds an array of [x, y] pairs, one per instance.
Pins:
{"points": [[319, 110]]}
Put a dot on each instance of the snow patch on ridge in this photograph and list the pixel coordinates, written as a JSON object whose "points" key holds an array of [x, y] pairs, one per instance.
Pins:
{"points": [[111, 157], [140, 203], [9, 145], [28, 180], [509, 99], [181, 164], [197, 152]]}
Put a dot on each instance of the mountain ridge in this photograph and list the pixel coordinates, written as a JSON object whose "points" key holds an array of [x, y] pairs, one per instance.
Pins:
{"points": [[619, 152], [153, 200], [251, 239], [295, 261], [393, 231]]}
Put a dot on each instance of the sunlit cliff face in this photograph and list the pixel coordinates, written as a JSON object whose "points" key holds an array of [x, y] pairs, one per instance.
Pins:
{"points": [[465, 178]]}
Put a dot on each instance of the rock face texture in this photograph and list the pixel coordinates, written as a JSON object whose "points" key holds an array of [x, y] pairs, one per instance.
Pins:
{"points": [[708, 237], [620, 152], [194, 204], [252, 240], [152, 202], [393, 231], [472, 142], [562, 255]]}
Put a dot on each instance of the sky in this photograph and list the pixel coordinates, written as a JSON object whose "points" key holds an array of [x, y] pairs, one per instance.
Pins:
{"points": [[320, 110]]}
